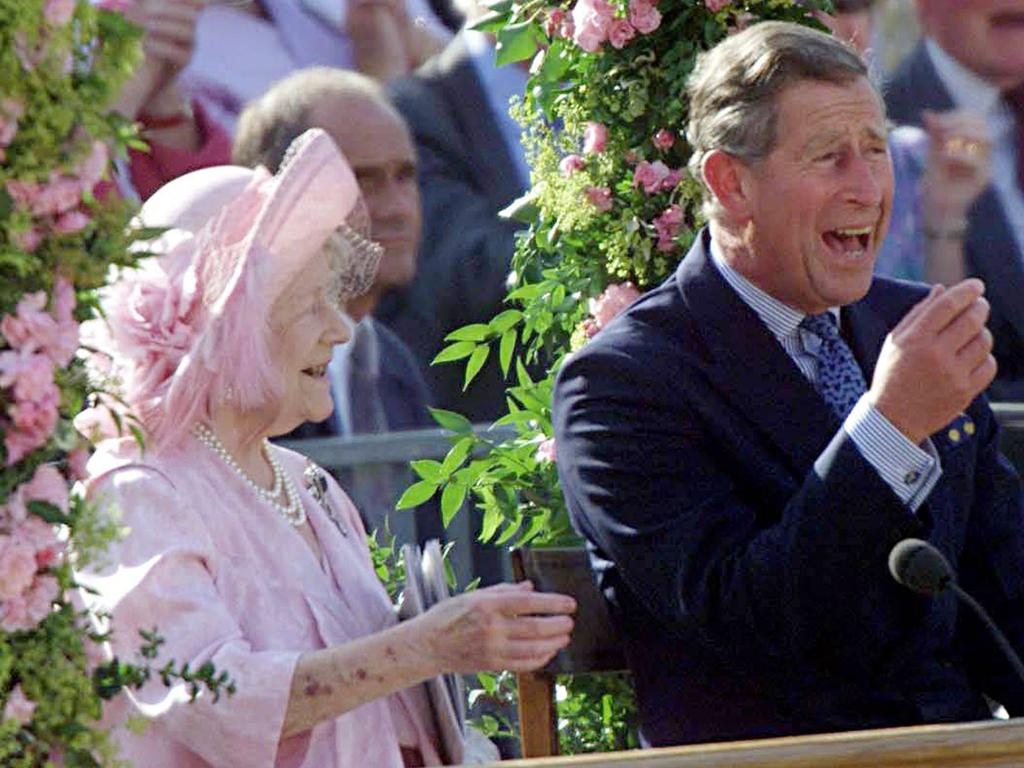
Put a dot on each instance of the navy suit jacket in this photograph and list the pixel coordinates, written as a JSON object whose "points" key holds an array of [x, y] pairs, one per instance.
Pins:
{"points": [[991, 250], [742, 540]]}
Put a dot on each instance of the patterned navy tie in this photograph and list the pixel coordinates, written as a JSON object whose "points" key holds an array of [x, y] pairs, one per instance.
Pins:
{"points": [[840, 380]]}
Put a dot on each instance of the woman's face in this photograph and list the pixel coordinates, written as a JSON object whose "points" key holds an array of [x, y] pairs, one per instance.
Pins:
{"points": [[307, 322]]}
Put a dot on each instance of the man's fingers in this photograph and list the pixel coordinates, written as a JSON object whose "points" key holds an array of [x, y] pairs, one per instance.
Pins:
{"points": [[984, 374], [538, 627], [916, 310], [945, 307], [974, 352], [965, 326]]}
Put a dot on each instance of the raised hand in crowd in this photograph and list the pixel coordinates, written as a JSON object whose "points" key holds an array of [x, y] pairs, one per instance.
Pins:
{"points": [[386, 42], [935, 361], [958, 168]]}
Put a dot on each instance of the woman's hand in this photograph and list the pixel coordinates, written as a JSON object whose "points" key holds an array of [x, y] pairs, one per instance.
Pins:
{"points": [[959, 167], [507, 626]]}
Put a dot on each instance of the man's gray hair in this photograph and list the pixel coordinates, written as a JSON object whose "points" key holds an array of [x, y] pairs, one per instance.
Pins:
{"points": [[269, 124], [734, 88]]}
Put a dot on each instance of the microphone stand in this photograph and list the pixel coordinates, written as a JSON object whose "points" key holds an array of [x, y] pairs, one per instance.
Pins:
{"points": [[1000, 638]]}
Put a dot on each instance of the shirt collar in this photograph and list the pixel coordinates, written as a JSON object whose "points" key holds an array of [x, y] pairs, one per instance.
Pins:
{"points": [[782, 320], [968, 90]]}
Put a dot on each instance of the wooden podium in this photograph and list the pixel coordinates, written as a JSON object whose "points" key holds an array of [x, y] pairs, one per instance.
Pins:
{"points": [[992, 744]]}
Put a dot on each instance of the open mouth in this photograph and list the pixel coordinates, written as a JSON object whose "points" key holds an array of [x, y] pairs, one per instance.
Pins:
{"points": [[850, 242], [316, 371]]}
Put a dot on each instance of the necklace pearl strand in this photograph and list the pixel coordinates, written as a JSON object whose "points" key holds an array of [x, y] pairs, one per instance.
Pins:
{"points": [[293, 511]]}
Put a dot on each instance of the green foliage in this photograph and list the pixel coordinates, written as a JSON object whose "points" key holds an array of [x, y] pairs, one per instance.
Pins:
{"points": [[568, 253]]}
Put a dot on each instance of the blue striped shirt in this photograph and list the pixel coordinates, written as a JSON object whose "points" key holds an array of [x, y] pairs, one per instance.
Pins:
{"points": [[911, 471]]}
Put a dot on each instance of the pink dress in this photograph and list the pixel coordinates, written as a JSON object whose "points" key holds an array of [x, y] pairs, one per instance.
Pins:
{"points": [[226, 579]]}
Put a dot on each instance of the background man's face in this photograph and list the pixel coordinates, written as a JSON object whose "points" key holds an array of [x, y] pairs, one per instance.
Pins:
{"points": [[378, 147], [986, 36], [820, 200]]}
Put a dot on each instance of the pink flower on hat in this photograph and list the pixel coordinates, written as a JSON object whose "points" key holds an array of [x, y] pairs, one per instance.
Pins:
{"points": [[595, 138], [664, 139], [600, 198], [612, 301], [19, 708], [650, 176], [644, 16], [620, 32], [570, 164], [591, 20]]}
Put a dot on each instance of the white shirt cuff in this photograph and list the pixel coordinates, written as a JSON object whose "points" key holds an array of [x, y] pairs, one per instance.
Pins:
{"points": [[910, 470]]}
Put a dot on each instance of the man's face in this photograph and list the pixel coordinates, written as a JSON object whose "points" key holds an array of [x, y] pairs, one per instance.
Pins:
{"points": [[986, 36], [380, 151], [819, 203]]}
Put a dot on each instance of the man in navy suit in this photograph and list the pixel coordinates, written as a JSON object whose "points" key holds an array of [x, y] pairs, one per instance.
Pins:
{"points": [[972, 57], [744, 445]]}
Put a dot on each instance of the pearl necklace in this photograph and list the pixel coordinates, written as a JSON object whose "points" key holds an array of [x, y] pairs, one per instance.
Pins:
{"points": [[293, 511]]}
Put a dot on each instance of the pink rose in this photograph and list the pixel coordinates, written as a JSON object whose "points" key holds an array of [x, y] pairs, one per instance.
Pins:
{"points": [[60, 194], [612, 301], [47, 484], [17, 567], [644, 16], [59, 12], [650, 175], [10, 112], [591, 19], [673, 178], [567, 28], [42, 538], [23, 193], [29, 239], [667, 227], [19, 708], [27, 373], [25, 612], [620, 33], [71, 222], [546, 452], [716, 5], [553, 23], [570, 164], [664, 139], [600, 198], [91, 169], [595, 138]]}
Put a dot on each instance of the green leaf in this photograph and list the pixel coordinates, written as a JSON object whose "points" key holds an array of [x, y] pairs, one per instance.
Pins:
{"points": [[474, 332], [451, 501], [522, 375], [516, 42], [456, 351], [457, 455], [555, 64], [510, 530], [416, 494], [451, 420], [428, 469], [492, 21], [489, 526], [506, 348], [476, 362], [505, 320], [524, 208], [48, 512]]}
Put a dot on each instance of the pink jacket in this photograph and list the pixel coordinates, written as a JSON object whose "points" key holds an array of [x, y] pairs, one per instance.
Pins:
{"points": [[226, 579]]}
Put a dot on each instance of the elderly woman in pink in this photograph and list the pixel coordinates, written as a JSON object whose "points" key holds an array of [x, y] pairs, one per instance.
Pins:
{"points": [[216, 345]]}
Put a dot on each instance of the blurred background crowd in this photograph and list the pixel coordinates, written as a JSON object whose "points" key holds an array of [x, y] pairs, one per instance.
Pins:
{"points": [[418, 106]]}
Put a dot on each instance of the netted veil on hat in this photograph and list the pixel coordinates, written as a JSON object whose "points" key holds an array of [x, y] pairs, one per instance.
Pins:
{"points": [[190, 325]]}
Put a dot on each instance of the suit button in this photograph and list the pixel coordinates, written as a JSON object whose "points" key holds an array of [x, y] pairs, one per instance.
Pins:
{"points": [[954, 435], [969, 427]]}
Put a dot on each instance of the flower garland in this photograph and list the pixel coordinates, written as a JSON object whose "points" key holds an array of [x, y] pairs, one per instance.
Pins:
{"points": [[61, 229]]}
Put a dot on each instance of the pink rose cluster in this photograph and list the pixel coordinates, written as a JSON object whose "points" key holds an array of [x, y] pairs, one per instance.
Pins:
{"points": [[612, 301], [28, 549], [57, 201], [38, 341], [595, 23], [667, 226], [716, 5], [655, 177], [558, 24]]}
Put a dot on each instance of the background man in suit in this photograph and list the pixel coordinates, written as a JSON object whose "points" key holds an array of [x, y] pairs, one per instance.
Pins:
{"points": [[375, 380], [741, 470], [972, 57], [471, 165]]}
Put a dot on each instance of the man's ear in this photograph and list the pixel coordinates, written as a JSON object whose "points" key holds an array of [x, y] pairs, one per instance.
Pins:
{"points": [[724, 174]]}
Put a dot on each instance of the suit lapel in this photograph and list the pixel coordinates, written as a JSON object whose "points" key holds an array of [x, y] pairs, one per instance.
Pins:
{"points": [[750, 369]]}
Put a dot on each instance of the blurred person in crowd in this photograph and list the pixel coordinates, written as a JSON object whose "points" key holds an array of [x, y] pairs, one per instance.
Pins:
{"points": [[244, 554], [375, 381], [744, 445], [180, 134], [471, 165], [940, 171], [243, 48], [972, 57]]}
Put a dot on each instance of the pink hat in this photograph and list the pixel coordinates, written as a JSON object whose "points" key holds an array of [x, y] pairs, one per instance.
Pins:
{"points": [[186, 329]]}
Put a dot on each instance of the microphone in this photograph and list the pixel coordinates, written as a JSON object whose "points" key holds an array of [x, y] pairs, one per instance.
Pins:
{"points": [[919, 566]]}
